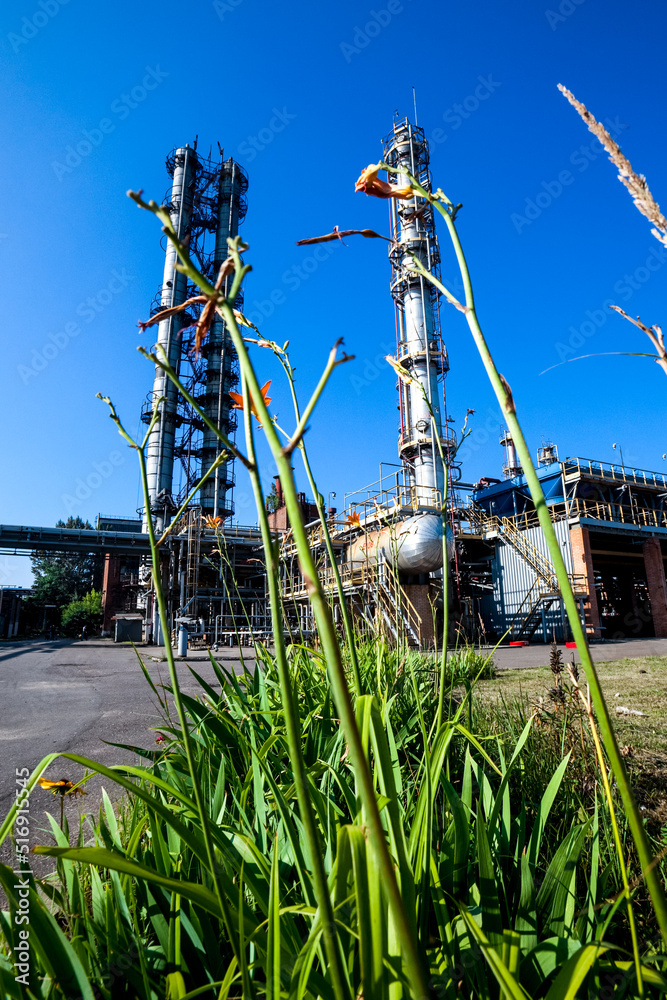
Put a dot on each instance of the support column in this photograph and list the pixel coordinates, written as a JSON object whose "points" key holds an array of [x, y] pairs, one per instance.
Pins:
{"points": [[582, 565], [657, 588], [419, 594], [110, 588]]}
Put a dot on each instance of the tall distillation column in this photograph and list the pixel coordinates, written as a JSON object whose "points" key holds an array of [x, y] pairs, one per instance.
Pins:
{"points": [[219, 350], [206, 203], [419, 345], [160, 451]]}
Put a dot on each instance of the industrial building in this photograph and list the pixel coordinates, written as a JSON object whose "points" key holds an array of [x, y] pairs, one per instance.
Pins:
{"points": [[611, 524], [393, 541]]}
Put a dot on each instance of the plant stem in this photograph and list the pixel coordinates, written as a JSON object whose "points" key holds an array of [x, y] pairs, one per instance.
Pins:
{"points": [[319, 501], [182, 718], [292, 724], [504, 396], [402, 914]]}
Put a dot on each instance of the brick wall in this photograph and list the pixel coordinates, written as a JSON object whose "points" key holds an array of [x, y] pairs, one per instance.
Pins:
{"points": [[111, 589], [420, 596], [582, 565], [657, 589]]}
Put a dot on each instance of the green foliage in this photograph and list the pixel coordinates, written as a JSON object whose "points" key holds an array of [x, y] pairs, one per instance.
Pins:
{"points": [[511, 876], [295, 835], [469, 664], [86, 612], [272, 499], [61, 577]]}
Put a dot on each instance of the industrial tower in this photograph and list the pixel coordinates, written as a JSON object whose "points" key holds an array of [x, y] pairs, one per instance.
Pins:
{"points": [[419, 345], [206, 203]]}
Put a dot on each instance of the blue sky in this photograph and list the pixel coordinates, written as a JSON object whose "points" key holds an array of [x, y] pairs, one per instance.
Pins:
{"points": [[301, 94]]}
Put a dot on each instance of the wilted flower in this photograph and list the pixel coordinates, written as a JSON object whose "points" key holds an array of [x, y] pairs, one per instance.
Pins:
{"points": [[62, 787], [370, 183], [242, 321], [238, 399], [557, 695], [400, 371]]}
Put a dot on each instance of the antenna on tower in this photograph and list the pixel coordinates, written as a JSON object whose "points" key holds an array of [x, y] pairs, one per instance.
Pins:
{"points": [[414, 101]]}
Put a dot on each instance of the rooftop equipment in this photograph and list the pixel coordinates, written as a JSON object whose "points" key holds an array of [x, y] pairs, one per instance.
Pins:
{"points": [[512, 466]]}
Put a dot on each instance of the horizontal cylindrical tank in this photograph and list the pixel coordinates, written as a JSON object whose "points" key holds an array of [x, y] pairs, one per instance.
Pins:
{"points": [[413, 545]]}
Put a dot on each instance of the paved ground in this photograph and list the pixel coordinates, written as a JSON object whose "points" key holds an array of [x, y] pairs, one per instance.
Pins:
{"points": [[612, 649], [71, 696]]}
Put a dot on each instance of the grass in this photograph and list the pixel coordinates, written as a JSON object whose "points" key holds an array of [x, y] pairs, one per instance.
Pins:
{"points": [[639, 683]]}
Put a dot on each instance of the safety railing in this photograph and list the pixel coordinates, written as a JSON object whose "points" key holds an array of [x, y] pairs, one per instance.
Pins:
{"points": [[631, 514], [634, 513], [382, 586], [576, 467]]}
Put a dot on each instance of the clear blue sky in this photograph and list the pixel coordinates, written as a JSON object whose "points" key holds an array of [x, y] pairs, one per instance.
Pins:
{"points": [[234, 71]]}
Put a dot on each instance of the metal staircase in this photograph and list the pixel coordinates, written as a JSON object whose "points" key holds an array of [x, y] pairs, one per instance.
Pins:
{"points": [[545, 590], [397, 610], [543, 567]]}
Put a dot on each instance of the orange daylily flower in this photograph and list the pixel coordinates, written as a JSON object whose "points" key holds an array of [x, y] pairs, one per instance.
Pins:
{"points": [[238, 399], [212, 522], [353, 519], [62, 787], [371, 184]]}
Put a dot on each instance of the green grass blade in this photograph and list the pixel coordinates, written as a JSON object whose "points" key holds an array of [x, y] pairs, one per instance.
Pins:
{"points": [[571, 976], [273, 946], [544, 809], [507, 982]]}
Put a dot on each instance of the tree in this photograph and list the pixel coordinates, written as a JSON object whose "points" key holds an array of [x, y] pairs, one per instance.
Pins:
{"points": [[86, 612], [273, 499], [62, 577]]}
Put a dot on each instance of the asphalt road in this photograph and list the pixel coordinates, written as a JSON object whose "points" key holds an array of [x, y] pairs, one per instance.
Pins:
{"points": [[73, 696], [537, 655], [66, 696]]}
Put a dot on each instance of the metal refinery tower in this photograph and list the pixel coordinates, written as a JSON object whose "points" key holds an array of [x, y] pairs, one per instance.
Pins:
{"points": [[206, 203], [419, 345]]}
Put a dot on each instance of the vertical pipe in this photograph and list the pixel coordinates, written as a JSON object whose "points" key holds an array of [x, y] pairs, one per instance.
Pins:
{"points": [[160, 450]]}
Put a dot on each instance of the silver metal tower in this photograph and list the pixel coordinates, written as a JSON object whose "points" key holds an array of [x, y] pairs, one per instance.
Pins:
{"points": [[206, 203], [419, 345], [160, 451], [218, 350]]}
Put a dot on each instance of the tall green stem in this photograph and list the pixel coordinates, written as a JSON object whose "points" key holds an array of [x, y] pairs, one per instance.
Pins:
{"points": [[319, 501], [182, 718], [402, 913], [292, 723], [504, 396]]}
